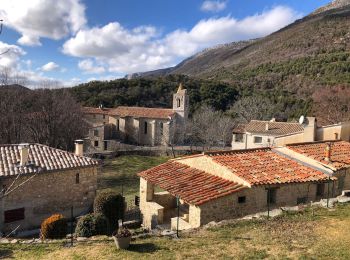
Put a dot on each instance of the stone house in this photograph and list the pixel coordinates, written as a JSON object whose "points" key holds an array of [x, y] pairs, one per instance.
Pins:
{"points": [[257, 133], [102, 137], [37, 181], [214, 186], [141, 125]]}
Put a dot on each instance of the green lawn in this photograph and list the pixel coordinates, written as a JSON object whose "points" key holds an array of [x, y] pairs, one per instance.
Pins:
{"points": [[321, 234], [120, 174]]}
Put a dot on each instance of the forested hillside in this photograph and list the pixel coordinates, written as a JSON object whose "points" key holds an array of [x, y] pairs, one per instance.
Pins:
{"points": [[290, 69], [157, 92]]}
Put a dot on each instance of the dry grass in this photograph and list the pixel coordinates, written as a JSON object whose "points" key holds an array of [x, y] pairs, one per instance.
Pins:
{"points": [[120, 174], [324, 235]]}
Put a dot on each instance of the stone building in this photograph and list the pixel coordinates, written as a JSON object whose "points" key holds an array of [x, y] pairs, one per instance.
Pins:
{"points": [[257, 133], [140, 125], [214, 186], [37, 181]]}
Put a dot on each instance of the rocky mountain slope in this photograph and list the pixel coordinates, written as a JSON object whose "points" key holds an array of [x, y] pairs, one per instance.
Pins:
{"points": [[311, 52], [333, 5]]}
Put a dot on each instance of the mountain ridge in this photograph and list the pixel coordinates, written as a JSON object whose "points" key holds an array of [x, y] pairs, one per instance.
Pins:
{"points": [[222, 56]]}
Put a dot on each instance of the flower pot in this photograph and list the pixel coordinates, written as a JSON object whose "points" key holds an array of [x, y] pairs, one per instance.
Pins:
{"points": [[122, 242]]}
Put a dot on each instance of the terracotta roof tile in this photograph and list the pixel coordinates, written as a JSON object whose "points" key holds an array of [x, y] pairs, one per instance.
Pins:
{"points": [[123, 111], [192, 185], [41, 159], [96, 110], [275, 128], [340, 152], [239, 129], [161, 113], [263, 166]]}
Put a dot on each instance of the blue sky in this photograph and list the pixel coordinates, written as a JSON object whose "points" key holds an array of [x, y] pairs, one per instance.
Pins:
{"points": [[74, 41]]}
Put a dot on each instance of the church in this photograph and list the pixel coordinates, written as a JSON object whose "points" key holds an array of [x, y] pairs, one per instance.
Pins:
{"points": [[138, 125]]}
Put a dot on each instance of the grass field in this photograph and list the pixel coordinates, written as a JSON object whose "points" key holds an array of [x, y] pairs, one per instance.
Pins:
{"points": [[120, 174], [323, 234]]}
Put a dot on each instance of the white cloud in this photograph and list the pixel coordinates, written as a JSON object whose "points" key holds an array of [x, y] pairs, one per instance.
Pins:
{"points": [[141, 49], [88, 67], [35, 19], [213, 6], [50, 66], [10, 55]]}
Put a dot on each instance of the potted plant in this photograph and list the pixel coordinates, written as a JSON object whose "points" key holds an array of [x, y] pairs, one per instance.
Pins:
{"points": [[122, 238]]}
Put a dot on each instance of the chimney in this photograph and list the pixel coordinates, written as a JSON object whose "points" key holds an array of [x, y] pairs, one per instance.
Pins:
{"points": [[79, 145], [267, 126], [327, 153], [24, 154]]}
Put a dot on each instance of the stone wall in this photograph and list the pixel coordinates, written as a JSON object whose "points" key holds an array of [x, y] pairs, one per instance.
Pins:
{"points": [[228, 207], [96, 119], [206, 164], [165, 199], [342, 182], [49, 193]]}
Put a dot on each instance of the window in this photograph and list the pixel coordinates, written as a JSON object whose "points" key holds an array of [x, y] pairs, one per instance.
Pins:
{"points": [[239, 138], [336, 136], [161, 128], [104, 116], [77, 178], [145, 129], [302, 200], [13, 215], [95, 132], [271, 195], [320, 189], [241, 199], [178, 101], [257, 139], [96, 143], [118, 124]]}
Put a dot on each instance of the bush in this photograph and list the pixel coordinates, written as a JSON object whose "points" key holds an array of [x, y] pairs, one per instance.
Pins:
{"points": [[54, 227], [92, 225], [112, 206]]}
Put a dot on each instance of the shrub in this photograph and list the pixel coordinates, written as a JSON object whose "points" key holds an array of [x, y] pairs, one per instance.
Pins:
{"points": [[54, 227], [122, 233], [92, 225], [112, 206]]}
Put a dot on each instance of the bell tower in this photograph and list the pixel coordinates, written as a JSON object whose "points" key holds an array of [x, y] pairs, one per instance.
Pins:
{"points": [[181, 106], [181, 103]]}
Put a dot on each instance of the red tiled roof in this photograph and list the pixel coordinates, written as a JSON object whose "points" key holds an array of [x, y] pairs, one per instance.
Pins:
{"points": [[123, 111], [96, 110], [42, 158], [161, 113], [274, 128], [340, 152], [239, 129], [263, 166], [192, 185]]}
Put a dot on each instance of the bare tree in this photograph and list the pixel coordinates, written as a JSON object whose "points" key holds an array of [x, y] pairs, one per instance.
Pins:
{"points": [[55, 119], [252, 107], [331, 104], [210, 128], [50, 117], [10, 77]]}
